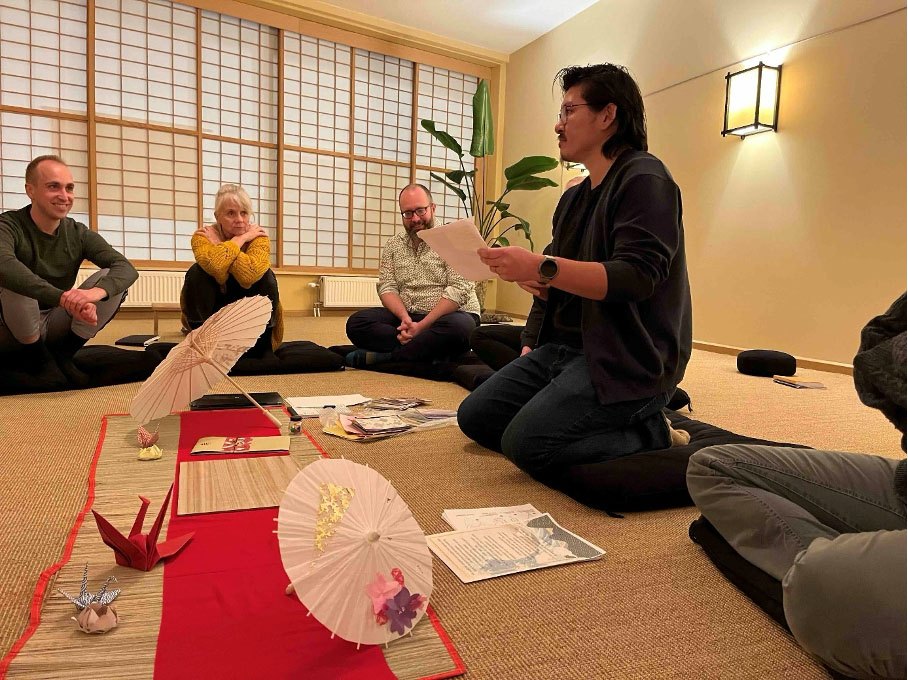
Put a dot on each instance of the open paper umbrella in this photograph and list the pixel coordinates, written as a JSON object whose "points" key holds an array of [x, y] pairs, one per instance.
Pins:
{"points": [[356, 557], [203, 360]]}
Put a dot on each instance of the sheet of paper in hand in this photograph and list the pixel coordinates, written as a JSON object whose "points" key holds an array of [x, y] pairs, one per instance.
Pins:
{"points": [[215, 445], [457, 243]]}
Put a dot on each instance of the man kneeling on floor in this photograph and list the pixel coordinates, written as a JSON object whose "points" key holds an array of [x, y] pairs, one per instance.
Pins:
{"points": [[429, 309], [616, 335], [43, 319]]}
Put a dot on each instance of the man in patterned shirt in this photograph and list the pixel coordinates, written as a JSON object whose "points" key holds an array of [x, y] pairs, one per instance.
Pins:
{"points": [[429, 309]]}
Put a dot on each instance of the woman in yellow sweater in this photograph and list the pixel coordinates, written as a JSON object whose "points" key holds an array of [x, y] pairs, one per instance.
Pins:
{"points": [[232, 261]]}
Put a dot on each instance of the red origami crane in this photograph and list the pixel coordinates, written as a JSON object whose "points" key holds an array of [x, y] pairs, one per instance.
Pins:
{"points": [[141, 551]]}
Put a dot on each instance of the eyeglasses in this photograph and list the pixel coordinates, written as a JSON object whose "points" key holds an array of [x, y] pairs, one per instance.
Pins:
{"points": [[566, 110], [419, 212]]}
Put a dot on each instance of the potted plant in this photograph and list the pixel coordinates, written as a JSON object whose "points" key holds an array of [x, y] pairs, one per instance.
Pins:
{"points": [[493, 218]]}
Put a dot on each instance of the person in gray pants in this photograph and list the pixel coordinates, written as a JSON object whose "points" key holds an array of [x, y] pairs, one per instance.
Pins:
{"points": [[830, 526]]}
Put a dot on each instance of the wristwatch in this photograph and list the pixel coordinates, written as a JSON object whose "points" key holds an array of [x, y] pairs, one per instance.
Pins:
{"points": [[548, 269]]}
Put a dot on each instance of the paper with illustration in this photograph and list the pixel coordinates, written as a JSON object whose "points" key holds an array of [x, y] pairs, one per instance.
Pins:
{"points": [[487, 552], [457, 243], [473, 518]]}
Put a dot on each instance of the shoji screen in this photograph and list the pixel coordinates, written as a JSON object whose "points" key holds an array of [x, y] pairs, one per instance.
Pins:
{"points": [[322, 134]]}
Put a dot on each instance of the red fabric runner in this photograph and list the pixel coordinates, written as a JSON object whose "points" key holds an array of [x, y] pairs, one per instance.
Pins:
{"points": [[224, 613]]}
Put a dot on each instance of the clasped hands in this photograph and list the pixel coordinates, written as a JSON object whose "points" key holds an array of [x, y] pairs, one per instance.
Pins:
{"points": [[512, 263], [408, 330], [79, 303]]}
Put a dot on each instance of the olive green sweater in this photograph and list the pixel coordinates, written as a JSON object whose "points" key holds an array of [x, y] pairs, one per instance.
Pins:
{"points": [[44, 266]]}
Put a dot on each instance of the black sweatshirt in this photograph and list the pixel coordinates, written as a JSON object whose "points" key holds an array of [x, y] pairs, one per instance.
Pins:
{"points": [[637, 341]]}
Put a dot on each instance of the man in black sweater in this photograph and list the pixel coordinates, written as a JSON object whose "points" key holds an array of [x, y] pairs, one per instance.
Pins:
{"points": [[616, 335], [43, 319]]}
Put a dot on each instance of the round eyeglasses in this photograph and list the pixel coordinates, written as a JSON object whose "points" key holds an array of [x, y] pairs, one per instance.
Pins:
{"points": [[566, 110], [419, 212]]}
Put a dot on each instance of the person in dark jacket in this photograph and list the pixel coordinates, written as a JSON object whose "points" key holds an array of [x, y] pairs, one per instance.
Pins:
{"points": [[616, 335], [830, 526]]}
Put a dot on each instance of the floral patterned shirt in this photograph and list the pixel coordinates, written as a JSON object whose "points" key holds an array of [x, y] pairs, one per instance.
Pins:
{"points": [[421, 278]]}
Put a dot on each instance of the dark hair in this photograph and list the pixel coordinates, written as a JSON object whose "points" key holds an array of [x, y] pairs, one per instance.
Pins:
{"points": [[416, 185], [604, 84], [32, 168]]}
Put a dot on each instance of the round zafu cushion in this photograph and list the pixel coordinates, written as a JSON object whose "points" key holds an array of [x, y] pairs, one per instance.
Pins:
{"points": [[766, 362]]}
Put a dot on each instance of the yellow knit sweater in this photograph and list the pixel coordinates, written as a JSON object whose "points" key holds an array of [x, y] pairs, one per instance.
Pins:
{"points": [[247, 265]]}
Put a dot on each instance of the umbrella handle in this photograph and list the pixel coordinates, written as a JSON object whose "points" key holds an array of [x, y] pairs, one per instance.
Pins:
{"points": [[248, 396]]}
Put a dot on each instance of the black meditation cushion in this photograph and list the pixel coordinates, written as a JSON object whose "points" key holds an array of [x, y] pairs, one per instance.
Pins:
{"points": [[766, 362], [442, 371], [298, 356], [103, 364], [649, 479]]}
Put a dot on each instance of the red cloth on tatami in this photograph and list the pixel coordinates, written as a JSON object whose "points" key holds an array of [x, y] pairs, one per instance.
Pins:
{"points": [[225, 614]]}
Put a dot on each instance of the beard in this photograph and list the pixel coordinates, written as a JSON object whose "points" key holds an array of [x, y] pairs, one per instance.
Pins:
{"points": [[413, 227]]}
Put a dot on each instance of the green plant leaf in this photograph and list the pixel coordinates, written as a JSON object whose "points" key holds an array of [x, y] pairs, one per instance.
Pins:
{"points": [[453, 187], [446, 140], [499, 205], [522, 226], [455, 176], [483, 143], [529, 183], [500, 241], [530, 165]]}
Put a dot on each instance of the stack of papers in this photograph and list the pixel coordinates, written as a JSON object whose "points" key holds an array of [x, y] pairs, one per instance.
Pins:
{"points": [[309, 407], [488, 551], [378, 425], [396, 404], [471, 518]]}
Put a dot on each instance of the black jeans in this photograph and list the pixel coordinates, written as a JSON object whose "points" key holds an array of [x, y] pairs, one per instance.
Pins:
{"points": [[542, 412], [375, 329], [202, 296], [497, 344]]}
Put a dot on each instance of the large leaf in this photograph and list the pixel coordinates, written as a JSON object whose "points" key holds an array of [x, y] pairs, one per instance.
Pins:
{"points": [[453, 187], [530, 165], [457, 176], [522, 226], [446, 140], [483, 143], [529, 183], [501, 241]]}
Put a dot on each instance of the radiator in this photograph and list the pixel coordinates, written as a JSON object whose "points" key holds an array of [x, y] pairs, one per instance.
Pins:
{"points": [[150, 287], [348, 291]]}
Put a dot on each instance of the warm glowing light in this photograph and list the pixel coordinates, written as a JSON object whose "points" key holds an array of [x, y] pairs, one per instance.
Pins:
{"points": [[752, 100]]}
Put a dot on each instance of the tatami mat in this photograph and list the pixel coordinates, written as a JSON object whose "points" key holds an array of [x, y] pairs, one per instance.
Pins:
{"points": [[653, 607]]}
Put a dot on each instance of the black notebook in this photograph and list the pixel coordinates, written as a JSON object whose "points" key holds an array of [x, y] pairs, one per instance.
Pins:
{"points": [[211, 402], [137, 340]]}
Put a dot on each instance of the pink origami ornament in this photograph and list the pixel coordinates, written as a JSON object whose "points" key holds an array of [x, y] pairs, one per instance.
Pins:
{"points": [[141, 551], [97, 618], [147, 438]]}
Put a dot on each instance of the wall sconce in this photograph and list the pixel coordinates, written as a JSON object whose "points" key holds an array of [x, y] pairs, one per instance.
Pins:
{"points": [[752, 100]]}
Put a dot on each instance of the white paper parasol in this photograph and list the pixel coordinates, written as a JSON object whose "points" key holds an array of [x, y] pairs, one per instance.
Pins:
{"points": [[203, 360], [345, 535]]}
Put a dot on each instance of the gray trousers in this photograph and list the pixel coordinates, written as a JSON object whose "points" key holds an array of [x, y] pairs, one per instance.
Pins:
{"points": [[21, 318], [831, 527]]}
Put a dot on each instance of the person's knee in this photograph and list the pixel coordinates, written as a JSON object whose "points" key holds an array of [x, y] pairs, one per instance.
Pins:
{"points": [[472, 413], [844, 601]]}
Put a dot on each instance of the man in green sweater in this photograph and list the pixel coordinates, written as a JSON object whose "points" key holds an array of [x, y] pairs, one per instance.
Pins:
{"points": [[43, 319]]}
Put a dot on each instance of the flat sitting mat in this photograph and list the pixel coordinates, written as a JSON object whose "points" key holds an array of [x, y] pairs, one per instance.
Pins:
{"points": [[647, 480], [52, 648], [298, 356], [103, 364]]}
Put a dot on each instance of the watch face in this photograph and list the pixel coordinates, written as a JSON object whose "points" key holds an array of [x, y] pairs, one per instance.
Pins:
{"points": [[548, 268]]}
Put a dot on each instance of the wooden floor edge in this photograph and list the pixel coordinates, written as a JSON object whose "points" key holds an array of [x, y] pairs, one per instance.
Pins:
{"points": [[803, 362]]}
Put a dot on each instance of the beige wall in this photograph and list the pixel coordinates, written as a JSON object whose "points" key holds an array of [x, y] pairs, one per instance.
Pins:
{"points": [[795, 239]]}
